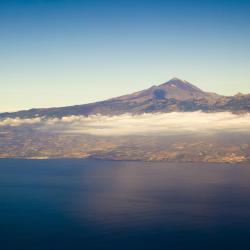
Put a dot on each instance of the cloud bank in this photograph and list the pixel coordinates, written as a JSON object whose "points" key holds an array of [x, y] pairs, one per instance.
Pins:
{"points": [[144, 124]]}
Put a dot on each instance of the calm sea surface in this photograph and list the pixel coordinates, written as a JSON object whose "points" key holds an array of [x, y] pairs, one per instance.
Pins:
{"points": [[83, 204]]}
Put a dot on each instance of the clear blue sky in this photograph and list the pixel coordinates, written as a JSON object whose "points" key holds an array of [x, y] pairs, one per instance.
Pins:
{"points": [[64, 52]]}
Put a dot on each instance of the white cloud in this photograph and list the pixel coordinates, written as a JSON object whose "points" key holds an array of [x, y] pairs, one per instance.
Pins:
{"points": [[144, 124], [15, 122]]}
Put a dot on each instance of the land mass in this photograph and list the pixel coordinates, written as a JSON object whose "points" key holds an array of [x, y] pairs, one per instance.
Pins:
{"points": [[175, 95], [219, 148]]}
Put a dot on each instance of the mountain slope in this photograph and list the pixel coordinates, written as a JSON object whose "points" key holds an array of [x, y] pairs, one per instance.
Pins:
{"points": [[174, 95], [173, 89]]}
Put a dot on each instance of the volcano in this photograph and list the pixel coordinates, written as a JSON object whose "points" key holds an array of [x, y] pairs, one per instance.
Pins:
{"points": [[175, 95]]}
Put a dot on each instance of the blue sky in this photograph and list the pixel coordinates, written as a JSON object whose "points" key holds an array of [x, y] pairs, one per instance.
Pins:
{"points": [[65, 52]]}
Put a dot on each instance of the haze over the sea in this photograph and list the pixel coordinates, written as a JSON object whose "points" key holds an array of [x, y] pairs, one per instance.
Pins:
{"points": [[58, 53]]}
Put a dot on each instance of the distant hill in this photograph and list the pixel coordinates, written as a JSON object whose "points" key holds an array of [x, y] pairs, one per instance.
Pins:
{"points": [[175, 95]]}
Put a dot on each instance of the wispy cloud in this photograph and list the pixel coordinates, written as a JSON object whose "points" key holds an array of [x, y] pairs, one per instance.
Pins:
{"points": [[145, 124], [16, 122]]}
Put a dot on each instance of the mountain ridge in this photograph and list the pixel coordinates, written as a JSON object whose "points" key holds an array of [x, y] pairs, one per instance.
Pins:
{"points": [[175, 95]]}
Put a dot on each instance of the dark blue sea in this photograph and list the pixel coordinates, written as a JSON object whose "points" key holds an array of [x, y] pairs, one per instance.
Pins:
{"points": [[87, 204]]}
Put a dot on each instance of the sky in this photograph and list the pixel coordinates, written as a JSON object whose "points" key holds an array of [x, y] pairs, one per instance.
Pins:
{"points": [[65, 52]]}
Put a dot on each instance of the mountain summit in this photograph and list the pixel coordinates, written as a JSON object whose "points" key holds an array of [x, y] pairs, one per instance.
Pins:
{"points": [[175, 95], [173, 89]]}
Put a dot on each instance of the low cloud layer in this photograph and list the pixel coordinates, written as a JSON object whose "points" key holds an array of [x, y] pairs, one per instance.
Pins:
{"points": [[145, 124]]}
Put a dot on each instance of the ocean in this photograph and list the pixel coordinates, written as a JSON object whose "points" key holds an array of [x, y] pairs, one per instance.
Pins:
{"points": [[90, 204]]}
